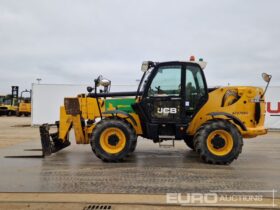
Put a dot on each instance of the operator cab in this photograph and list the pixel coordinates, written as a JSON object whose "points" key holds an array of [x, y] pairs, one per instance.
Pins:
{"points": [[171, 94]]}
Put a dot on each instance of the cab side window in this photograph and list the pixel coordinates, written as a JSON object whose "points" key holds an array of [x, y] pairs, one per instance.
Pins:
{"points": [[195, 87], [191, 87]]}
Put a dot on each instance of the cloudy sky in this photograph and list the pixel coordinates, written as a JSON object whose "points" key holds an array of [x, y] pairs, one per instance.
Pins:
{"points": [[64, 41]]}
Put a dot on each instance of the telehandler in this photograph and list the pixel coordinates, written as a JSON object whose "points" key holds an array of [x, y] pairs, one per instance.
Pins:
{"points": [[172, 102]]}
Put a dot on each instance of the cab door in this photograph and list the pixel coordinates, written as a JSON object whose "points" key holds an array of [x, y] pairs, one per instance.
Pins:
{"points": [[162, 99]]}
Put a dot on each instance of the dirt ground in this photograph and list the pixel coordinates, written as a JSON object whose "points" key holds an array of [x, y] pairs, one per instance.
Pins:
{"points": [[15, 130], [75, 179]]}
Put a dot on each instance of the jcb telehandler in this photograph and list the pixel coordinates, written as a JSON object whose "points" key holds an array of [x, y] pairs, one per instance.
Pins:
{"points": [[172, 103]]}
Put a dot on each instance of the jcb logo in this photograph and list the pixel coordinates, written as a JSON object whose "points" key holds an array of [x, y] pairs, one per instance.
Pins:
{"points": [[167, 110]]}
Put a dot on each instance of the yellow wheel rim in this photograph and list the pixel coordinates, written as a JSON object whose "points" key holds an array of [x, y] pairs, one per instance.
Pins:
{"points": [[220, 142], [112, 140]]}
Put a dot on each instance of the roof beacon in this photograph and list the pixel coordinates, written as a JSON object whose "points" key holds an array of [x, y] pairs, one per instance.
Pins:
{"points": [[192, 58]]}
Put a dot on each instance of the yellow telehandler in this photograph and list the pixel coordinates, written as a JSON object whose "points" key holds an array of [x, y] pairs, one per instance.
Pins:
{"points": [[172, 102]]}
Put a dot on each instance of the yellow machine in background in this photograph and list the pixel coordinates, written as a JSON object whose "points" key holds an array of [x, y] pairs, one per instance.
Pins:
{"points": [[9, 104], [24, 107], [172, 103]]}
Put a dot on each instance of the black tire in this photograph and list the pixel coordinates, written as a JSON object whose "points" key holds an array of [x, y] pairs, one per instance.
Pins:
{"points": [[9, 113], [125, 128], [26, 114], [133, 147], [200, 142], [189, 142]]}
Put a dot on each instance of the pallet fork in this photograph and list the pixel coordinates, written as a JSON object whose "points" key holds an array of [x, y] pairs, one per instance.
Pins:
{"points": [[50, 141]]}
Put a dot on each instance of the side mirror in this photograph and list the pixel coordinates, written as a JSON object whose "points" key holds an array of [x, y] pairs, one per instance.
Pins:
{"points": [[104, 82], [266, 77], [101, 81]]}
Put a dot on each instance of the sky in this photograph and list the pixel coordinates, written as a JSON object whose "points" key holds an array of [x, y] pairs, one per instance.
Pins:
{"points": [[72, 42]]}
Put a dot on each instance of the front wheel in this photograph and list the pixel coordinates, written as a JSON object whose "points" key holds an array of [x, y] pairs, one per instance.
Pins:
{"points": [[112, 140], [218, 142]]}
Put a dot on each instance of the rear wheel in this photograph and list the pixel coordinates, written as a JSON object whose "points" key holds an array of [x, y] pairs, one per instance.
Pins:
{"points": [[112, 140], [218, 142]]}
